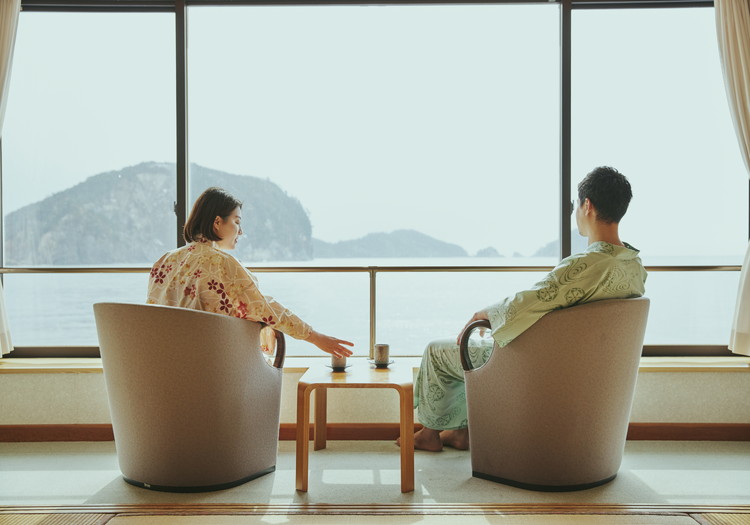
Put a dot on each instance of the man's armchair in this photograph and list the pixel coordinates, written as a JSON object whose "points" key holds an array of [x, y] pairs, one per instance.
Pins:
{"points": [[194, 404], [550, 411]]}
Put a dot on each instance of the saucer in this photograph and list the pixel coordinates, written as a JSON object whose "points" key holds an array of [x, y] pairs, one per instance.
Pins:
{"points": [[338, 368], [380, 365]]}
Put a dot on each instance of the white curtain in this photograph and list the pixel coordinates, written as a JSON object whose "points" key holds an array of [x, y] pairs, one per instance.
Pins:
{"points": [[9, 11], [733, 31]]}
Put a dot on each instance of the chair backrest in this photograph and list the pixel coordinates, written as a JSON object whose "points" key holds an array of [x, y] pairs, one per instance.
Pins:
{"points": [[194, 404], [551, 410]]}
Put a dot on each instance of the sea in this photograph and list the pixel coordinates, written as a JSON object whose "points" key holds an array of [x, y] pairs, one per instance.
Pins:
{"points": [[412, 307]]}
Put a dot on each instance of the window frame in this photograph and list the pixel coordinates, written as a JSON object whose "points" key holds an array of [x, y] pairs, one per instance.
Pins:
{"points": [[180, 7]]}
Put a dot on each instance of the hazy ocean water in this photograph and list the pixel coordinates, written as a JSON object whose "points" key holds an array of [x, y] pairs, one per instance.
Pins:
{"points": [[412, 307]]}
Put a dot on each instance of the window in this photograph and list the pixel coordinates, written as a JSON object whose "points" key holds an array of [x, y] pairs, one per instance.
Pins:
{"points": [[648, 98], [336, 304], [413, 150], [88, 163], [380, 119], [55, 309], [87, 141], [402, 150], [415, 308]]}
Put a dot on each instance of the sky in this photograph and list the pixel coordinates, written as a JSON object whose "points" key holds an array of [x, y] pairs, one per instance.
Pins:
{"points": [[442, 119]]}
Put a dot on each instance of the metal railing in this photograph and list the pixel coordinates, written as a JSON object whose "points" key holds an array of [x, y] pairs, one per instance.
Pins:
{"points": [[373, 272]]}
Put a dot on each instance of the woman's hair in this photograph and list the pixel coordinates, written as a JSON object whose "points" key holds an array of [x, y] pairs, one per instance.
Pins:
{"points": [[214, 202]]}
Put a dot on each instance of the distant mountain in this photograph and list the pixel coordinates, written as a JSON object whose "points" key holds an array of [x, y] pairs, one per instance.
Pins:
{"points": [[488, 252], [127, 217], [400, 243], [578, 244]]}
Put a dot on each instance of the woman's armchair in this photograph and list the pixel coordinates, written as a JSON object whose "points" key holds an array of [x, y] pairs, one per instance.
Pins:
{"points": [[194, 404]]}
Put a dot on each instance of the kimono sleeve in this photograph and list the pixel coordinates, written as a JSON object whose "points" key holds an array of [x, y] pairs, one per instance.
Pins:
{"points": [[567, 284], [247, 302]]}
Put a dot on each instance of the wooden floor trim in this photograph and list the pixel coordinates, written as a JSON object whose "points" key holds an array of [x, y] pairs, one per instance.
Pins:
{"points": [[689, 431], [382, 432], [32, 433], [375, 509]]}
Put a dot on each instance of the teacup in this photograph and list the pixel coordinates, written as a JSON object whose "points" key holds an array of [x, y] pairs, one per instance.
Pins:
{"points": [[381, 355], [338, 363]]}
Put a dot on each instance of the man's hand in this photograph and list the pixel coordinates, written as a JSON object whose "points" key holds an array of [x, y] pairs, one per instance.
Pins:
{"points": [[479, 316], [330, 345]]}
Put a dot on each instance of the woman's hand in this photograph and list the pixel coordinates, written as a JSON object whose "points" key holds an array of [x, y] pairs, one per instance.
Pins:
{"points": [[329, 344], [479, 316]]}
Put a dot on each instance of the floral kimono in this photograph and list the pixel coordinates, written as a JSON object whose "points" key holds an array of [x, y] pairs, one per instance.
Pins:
{"points": [[203, 277]]}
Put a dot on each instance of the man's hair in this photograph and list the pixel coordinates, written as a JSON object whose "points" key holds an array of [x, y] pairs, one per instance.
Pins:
{"points": [[608, 190], [214, 202]]}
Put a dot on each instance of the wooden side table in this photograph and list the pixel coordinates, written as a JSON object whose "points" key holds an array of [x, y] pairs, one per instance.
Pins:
{"points": [[359, 375]]}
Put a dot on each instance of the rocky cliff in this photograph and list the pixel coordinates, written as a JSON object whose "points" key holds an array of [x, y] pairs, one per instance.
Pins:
{"points": [[127, 217]]}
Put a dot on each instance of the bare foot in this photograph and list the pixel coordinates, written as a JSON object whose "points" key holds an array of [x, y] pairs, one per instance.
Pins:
{"points": [[458, 439], [426, 439]]}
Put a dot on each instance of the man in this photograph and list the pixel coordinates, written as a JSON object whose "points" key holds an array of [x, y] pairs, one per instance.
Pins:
{"points": [[608, 269]]}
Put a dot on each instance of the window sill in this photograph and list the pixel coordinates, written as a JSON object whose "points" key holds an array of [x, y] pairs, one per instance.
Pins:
{"points": [[51, 365], [87, 365], [695, 364], [80, 365]]}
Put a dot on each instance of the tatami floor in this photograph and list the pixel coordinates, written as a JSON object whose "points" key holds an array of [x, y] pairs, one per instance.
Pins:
{"points": [[367, 472], [365, 475]]}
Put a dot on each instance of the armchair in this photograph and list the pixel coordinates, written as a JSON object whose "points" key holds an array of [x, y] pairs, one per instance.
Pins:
{"points": [[550, 411], [194, 404]]}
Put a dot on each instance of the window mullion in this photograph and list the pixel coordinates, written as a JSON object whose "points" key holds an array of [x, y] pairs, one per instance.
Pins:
{"points": [[565, 127], [182, 165]]}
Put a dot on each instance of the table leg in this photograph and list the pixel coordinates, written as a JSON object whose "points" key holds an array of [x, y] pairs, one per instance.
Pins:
{"points": [[406, 393], [321, 418], [303, 435]]}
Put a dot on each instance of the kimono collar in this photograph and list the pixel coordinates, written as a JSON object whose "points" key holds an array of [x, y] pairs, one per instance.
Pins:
{"points": [[200, 239]]}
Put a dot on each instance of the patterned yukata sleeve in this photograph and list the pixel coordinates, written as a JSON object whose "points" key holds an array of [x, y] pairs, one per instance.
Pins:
{"points": [[567, 284], [156, 285], [240, 296]]}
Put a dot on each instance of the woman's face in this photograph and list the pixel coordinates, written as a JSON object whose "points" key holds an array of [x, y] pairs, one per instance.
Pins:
{"points": [[228, 230]]}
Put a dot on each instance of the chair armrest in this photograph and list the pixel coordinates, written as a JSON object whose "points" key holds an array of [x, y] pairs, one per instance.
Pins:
{"points": [[280, 349], [463, 344]]}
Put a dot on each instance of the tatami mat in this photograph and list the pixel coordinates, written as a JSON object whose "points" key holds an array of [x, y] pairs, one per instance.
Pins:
{"points": [[723, 519], [489, 519], [659, 483], [57, 519]]}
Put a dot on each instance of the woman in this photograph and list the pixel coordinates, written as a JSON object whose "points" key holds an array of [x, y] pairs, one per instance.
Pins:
{"points": [[202, 276]]}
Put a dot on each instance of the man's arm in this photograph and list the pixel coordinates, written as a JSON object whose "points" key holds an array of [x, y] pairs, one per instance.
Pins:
{"points": [[567, 284], [479, 316]]}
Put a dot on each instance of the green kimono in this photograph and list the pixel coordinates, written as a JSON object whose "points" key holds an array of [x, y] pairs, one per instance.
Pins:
{"points": [[603, 271]]}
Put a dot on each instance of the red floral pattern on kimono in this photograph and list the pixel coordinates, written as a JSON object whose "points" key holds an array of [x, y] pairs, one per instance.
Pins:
{"points": [[203, 277]]}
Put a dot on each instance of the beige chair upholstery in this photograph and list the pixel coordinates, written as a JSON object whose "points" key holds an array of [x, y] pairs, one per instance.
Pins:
{"points": [[194, 404], [550, 410]]}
